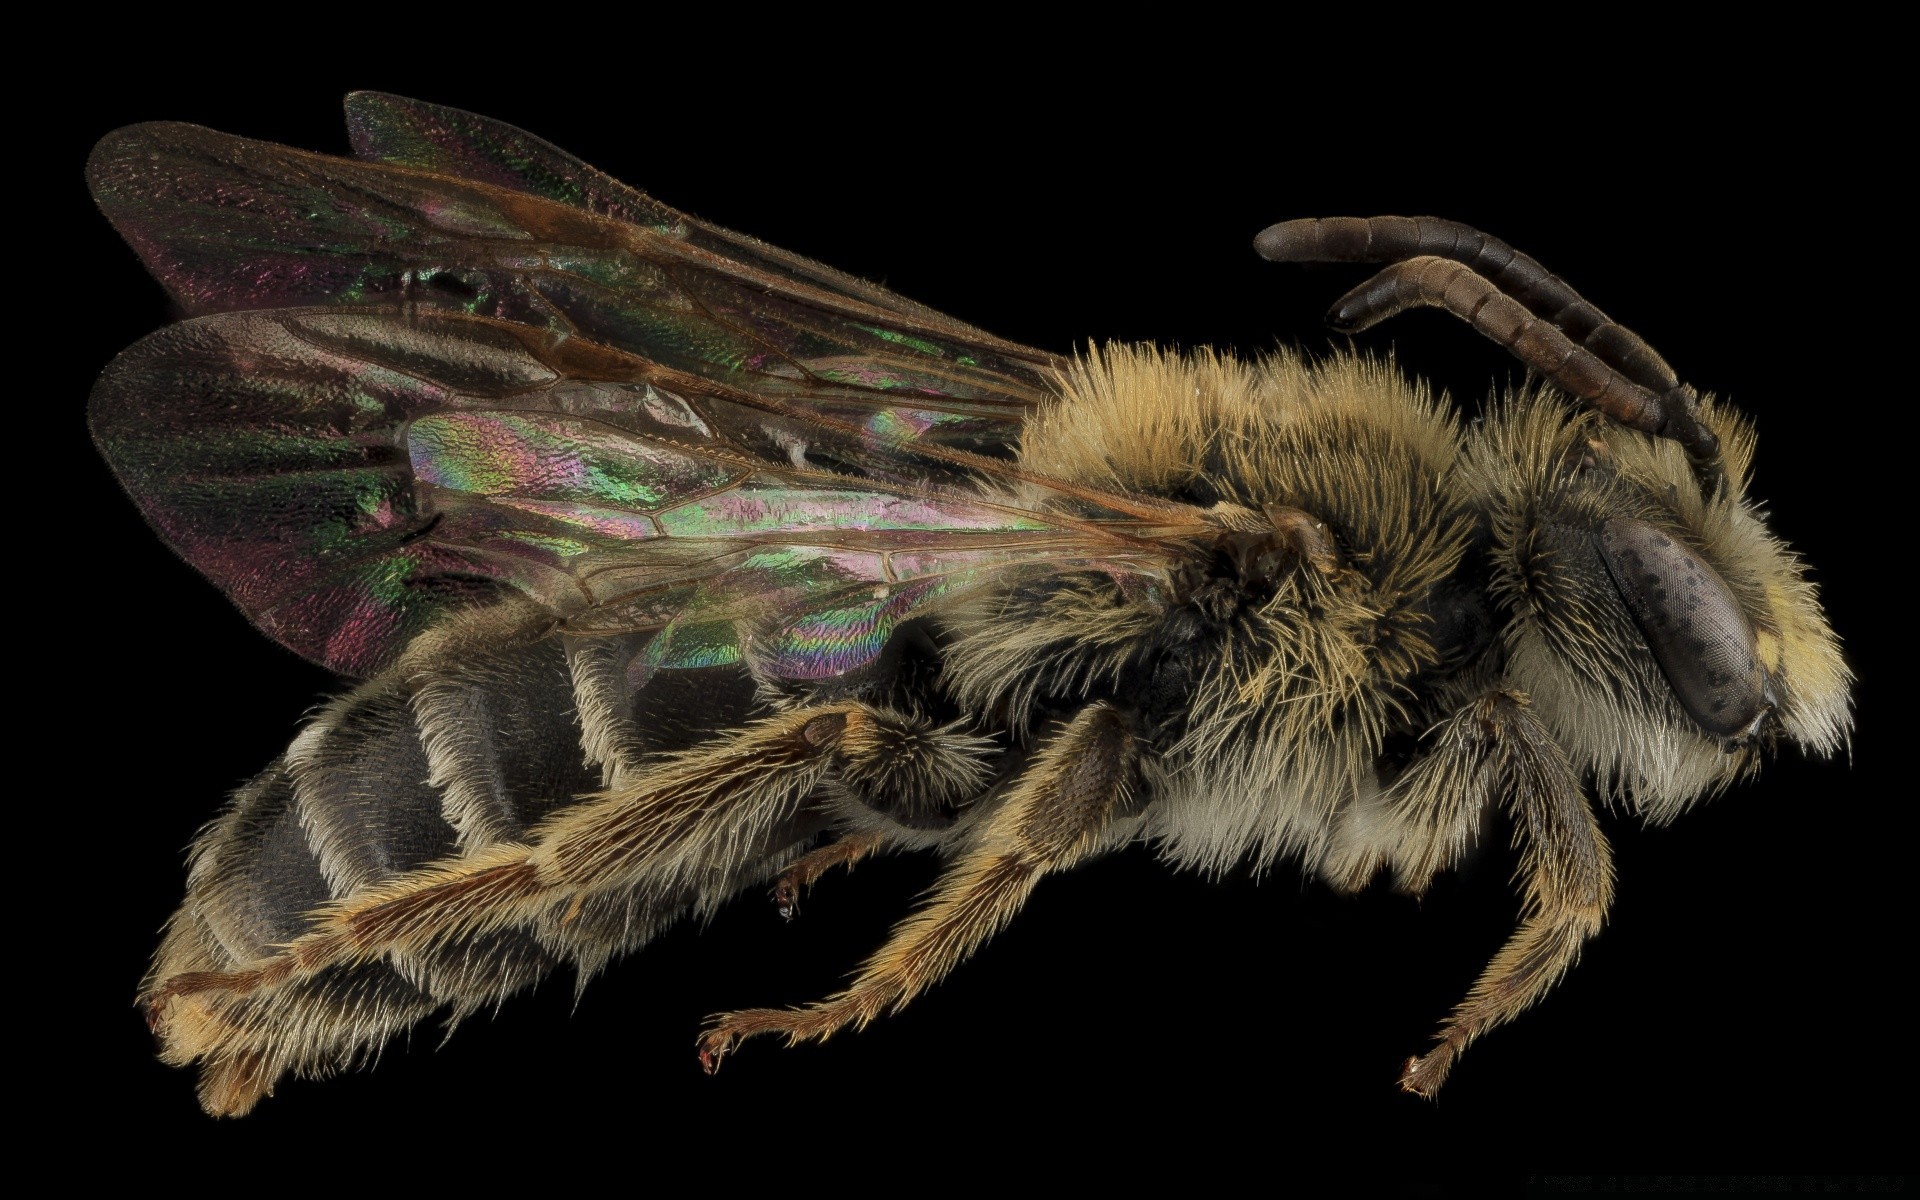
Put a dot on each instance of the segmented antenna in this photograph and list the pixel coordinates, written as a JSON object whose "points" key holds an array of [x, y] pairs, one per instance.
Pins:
{"points": [[1510, 298]]}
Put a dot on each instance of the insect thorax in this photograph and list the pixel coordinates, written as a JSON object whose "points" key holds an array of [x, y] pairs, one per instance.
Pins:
{"points": [[1274, 697]]}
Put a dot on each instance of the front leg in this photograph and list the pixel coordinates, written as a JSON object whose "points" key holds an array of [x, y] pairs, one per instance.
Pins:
{"points": [[1054, 817], [1564, 857]]}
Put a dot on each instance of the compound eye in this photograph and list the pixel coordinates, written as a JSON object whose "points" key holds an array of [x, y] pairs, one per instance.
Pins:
{"points": [[1696, 629]]}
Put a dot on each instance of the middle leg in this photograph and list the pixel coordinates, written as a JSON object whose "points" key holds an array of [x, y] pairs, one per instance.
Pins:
{"points": [[1054, 817], [809, 867]]}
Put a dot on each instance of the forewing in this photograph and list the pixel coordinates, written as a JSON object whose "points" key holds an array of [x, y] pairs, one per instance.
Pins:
{"points": [[459, 213], [447, 141], [347, 476]]}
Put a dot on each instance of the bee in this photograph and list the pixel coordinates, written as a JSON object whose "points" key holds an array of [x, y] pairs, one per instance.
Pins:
{"points": [[672, 566]]}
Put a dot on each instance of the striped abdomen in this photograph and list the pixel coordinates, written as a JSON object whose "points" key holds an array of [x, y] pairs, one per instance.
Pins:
{"points": [[416, 766]]}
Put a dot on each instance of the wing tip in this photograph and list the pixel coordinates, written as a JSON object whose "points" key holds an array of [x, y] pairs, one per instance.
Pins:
{"points": [[364, 103], [110, 156]]}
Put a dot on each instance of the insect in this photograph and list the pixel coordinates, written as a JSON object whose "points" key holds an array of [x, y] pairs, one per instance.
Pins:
{"points": [[672, 565]]}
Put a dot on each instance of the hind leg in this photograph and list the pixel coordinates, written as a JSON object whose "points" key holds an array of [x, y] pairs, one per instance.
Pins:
{"points": [[698, 813]]}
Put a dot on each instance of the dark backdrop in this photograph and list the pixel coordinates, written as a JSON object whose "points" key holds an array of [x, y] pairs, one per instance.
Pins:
{"points": [[1738, 1013]]}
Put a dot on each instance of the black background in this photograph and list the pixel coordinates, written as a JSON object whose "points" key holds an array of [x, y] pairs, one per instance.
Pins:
{"points": [[1738, 1014]]}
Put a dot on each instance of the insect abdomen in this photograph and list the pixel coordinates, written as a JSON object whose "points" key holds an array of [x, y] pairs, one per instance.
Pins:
{"points": [[400, 773]]}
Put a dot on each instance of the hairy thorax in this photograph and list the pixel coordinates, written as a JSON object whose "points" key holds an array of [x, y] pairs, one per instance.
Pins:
{"points": [[1279, 668]]}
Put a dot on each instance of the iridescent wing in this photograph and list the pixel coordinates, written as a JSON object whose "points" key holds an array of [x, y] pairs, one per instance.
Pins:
{"points": [[347, 475], [474, 366]]}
